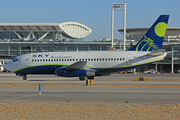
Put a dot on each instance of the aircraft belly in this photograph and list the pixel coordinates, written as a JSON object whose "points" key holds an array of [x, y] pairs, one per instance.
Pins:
{"points": [[45, 69]]}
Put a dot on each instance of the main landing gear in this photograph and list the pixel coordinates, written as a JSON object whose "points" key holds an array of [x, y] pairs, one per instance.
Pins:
{"points": [[82, 78], [24, 77], [91, 77]]}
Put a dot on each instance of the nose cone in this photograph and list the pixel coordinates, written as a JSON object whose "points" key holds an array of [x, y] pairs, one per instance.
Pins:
{"points": [[9, 66]]}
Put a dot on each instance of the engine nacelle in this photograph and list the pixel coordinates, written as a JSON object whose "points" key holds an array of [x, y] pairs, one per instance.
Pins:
{"points": [[74, 73]]}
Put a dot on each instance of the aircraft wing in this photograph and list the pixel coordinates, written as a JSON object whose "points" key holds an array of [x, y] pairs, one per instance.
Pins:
{"points": [[157, 52], [80, 65]]}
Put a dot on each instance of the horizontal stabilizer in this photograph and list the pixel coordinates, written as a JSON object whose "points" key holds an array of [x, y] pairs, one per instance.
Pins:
{"points": [[157, 52], [168, 52]]}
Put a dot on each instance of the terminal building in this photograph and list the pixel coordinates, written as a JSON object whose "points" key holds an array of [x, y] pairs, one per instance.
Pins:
{"points": [[22, 38]]}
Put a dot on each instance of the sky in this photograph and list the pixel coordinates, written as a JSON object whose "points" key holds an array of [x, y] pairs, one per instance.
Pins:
{"points": [[96, 14]]}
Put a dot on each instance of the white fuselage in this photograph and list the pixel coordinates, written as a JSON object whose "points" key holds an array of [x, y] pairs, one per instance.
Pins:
{"points": [[95, 59]]}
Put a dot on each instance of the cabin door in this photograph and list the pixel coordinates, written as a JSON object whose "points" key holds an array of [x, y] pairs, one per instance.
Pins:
{"points": [[27, 61]]}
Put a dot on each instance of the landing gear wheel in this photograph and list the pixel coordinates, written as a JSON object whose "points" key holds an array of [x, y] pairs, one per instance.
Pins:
{"points": [[24, 78], [82, 78]]}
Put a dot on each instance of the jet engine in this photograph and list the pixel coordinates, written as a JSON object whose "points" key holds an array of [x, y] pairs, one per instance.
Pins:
{"points": [[73, 73]]}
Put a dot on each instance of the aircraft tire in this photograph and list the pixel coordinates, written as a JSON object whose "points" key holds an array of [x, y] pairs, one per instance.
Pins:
{"points": [[82, 78], [24, 78]]}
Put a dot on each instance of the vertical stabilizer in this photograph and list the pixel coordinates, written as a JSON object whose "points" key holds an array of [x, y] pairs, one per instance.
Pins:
{"points": [[154, 37]]}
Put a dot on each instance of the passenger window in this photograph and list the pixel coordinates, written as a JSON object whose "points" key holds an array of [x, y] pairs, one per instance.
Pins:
{"points": [[94, 59], [73, 59], [117, 58], [67, 59], [111, 59], [123, 58], [38, 60], [51, 59], [59, 59], [32, 60], [114, 59], [76, 59], [103, 59], [120, 59], [97, 59], [64, 59], [106, 59]]}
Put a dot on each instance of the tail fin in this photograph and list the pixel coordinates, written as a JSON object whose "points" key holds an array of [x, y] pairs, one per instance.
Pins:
{"points": [[154, 37]]}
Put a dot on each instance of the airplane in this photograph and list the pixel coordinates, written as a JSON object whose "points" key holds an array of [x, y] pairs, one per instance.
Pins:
{"points": [[88, 64]]}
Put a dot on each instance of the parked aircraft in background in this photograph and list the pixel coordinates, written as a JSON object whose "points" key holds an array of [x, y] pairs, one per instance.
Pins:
{"points": [[94, 63]]}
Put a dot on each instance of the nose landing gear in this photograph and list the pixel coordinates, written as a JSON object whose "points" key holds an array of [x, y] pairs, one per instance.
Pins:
{"points": [[24, 77]]}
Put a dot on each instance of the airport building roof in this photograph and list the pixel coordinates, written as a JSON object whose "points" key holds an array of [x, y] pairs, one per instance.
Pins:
{"points": [[69, 29], [172, 33]]}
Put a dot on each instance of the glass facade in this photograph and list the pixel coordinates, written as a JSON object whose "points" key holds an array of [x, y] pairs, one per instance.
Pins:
{"points": [[84, 47], [36, 48], [59, 47], [3, 49], [15, 48], [48, 48], [11, 35], [8, 35], [51, 35], [94, 47]]}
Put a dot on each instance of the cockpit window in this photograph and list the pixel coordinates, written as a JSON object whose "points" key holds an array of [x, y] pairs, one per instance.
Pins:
{"points": [[15, 59]]}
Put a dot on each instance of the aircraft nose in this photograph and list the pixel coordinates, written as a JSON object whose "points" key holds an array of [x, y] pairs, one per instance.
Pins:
{"points": [[7, 66]]}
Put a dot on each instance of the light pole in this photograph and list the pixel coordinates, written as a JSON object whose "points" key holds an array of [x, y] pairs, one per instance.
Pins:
{"points": [[172, 69]]}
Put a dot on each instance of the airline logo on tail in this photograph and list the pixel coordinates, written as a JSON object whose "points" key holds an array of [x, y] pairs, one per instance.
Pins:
{"points": [[153, 39], [147, 42]]}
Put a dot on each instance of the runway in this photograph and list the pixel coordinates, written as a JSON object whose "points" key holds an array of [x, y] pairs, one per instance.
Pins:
{"points": [[91, 93]]}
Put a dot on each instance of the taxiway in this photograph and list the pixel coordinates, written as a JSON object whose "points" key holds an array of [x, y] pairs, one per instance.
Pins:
{"points": [[92, 93]]}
